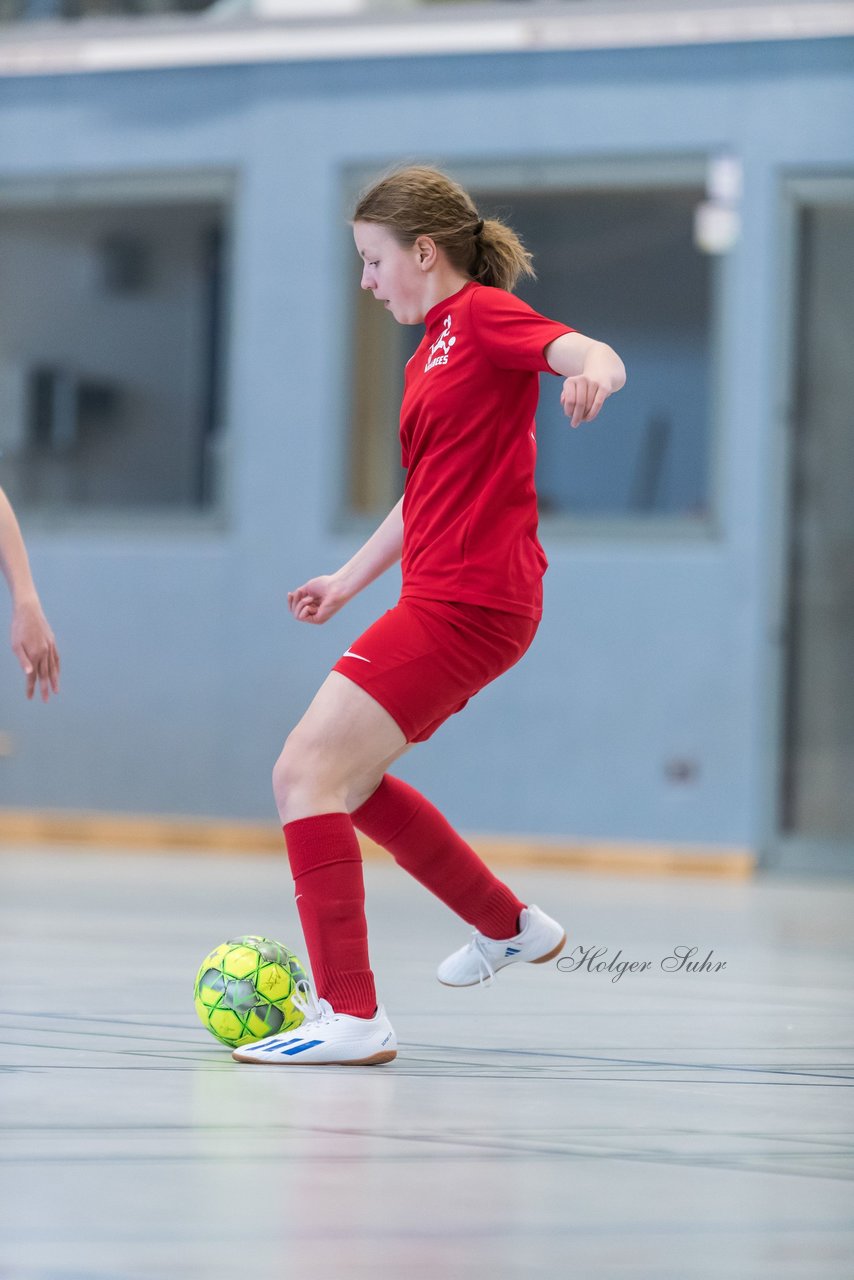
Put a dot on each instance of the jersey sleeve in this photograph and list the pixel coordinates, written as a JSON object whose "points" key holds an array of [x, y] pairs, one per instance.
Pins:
{"points": [[511, 333]]}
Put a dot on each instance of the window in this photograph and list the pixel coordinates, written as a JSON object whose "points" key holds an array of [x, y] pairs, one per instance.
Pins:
{"points": [[615, 256], [110, 346]]}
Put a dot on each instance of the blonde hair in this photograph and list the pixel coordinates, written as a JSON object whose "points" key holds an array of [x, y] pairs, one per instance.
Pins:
{"points": [[421, 201]]}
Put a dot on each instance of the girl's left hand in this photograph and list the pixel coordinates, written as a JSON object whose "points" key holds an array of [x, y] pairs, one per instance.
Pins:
{"points": [[582, 398]]}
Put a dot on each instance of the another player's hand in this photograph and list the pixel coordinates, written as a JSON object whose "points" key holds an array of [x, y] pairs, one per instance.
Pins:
{"points": [[582, 398], [34, 646], [317, 600]]}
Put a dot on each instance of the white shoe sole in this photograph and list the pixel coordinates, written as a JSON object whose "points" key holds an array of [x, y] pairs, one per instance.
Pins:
{"points": [[550, 955], [374, 1060]]}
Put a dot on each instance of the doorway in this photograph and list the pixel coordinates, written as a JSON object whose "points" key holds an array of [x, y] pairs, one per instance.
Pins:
{"points": [[816, 780]]}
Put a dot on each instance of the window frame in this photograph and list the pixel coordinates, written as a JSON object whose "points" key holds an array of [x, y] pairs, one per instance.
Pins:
{"points": [[618, 173], [127, 188]]}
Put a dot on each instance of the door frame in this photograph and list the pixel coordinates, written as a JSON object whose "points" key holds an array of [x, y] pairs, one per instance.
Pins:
{"points": [[782, 850]]}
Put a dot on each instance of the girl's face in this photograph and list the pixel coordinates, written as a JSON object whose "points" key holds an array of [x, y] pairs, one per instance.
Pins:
{"points": [[395, 275]]}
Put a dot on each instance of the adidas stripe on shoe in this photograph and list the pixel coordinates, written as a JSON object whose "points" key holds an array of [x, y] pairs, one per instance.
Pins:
{"points": [[326, 1038]]}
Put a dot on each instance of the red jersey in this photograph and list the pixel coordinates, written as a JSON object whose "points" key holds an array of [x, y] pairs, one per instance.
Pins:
{"points": [[469, 448]]}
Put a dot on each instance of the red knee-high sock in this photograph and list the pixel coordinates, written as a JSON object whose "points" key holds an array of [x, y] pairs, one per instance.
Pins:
{"points": [[398, 818], [326, 863]]}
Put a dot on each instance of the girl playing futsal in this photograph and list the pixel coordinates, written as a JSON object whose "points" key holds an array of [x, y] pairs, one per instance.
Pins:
{"points": [[466, 533], [32, 639]]}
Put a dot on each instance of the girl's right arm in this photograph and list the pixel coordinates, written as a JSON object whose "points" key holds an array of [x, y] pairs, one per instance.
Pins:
{"points": [[319, 598]]}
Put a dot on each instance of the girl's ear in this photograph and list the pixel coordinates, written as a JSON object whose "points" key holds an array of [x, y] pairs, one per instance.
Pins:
{"points": [[427, 252]]}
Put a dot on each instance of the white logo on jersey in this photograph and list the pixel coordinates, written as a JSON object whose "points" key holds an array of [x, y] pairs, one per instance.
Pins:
{"points": [[441, 347]]}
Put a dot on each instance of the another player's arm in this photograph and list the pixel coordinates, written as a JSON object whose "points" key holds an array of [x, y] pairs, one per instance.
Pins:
{"points": [[593, 371], [33, 641], [319, 598]]}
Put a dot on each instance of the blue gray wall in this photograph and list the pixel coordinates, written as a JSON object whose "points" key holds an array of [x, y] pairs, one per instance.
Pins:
{"points": [[182, 668]]}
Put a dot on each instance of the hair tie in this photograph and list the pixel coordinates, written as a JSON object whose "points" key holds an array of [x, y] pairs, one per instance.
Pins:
{"points": [[478, 227]]}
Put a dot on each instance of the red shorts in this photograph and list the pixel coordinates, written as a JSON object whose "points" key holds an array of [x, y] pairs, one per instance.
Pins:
{"points": [[424, 659]]}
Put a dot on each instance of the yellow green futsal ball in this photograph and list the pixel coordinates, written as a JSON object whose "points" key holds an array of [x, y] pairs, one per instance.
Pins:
{"points": [[245, 988]]}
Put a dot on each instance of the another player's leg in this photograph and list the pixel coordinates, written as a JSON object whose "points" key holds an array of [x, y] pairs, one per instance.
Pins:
{"points": [[344, 740], [422, 841]]}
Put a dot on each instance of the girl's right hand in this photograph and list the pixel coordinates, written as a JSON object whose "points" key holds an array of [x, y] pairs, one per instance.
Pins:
{"points": [[35, 648], [317, 600]]}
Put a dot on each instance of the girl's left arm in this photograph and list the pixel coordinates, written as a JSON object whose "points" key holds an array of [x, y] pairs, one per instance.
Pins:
{"points": [[593, 371]]}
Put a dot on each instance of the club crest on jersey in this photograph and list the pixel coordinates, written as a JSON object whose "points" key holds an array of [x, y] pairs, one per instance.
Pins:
{"points": [[441, 347]]}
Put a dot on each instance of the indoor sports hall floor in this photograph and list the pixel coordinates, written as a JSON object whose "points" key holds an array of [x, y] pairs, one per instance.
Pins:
{"points": [[667, 1125]]}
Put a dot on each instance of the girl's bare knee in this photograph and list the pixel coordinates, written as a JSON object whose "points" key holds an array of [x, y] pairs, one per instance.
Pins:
{"points": [[334, 759], [290, 771], [307, 779]]}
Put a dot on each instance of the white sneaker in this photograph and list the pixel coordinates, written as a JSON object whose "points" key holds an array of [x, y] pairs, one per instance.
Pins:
{"points": [[539, 939], [326, 1038]]}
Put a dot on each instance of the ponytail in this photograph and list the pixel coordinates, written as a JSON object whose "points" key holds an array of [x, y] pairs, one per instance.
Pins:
{"points": [[500, 258]]}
